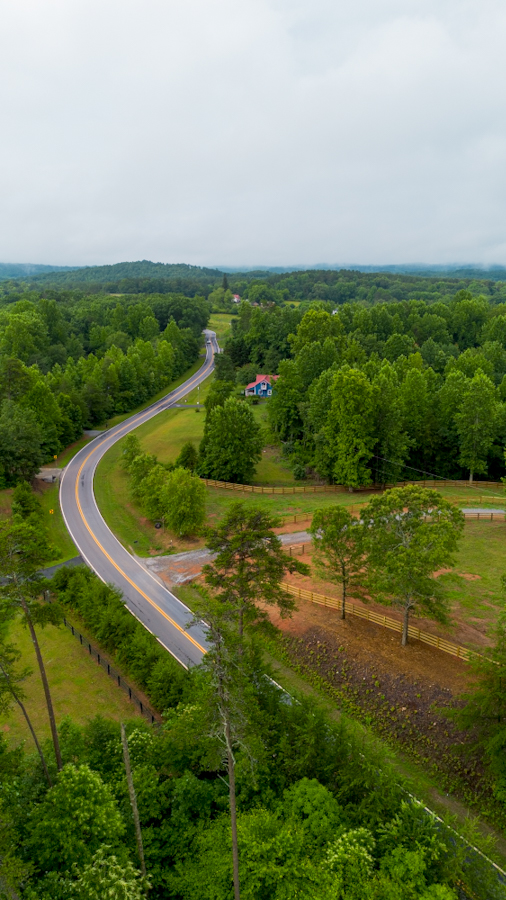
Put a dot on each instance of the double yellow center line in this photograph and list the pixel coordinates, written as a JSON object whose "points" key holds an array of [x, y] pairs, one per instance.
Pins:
{"points": [[187, 387]]}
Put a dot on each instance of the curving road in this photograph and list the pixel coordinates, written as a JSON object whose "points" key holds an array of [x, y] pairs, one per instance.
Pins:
{"points": [[158, 610]]}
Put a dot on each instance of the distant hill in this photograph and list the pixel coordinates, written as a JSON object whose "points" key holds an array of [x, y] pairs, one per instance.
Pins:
{"points": [[126, 270], [28, 270], [482, 273]]}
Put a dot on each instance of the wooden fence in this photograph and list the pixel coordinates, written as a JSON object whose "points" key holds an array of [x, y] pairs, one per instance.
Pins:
{"points": [[340, 488], [383, 620], [481, 516]]}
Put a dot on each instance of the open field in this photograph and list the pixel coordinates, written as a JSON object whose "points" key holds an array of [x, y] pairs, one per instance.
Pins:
{"points": [[221, 323], [79, 687]]}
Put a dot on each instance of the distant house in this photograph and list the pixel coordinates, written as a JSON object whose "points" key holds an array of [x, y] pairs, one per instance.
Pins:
{"points": [[236, 298], [261, 387]]}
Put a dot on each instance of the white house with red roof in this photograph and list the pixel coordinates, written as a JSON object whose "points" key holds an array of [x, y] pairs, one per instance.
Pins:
{"points": [[261, 387]]}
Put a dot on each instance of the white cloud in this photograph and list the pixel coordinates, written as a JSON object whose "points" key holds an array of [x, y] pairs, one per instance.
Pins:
{"points": [[260, 132]]}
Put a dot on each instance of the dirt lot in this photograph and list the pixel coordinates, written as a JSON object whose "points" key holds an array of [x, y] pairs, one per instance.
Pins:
{"points": [[465, 628]]}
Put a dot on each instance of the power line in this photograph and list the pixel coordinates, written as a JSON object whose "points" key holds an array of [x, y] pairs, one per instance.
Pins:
{"points": [[420, 471]]}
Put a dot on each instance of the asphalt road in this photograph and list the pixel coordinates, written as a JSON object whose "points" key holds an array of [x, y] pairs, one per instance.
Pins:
{"points": [[158, 610]]}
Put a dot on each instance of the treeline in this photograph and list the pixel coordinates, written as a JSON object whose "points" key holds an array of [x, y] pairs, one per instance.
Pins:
{"points": [[330, 285], [394, 391], [68, 363], [102, 609]]}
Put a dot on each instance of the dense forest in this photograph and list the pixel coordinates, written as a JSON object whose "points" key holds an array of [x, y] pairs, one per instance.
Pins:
{"points": [[382, 392], [68, 362], [382, 376], [273, 285]]}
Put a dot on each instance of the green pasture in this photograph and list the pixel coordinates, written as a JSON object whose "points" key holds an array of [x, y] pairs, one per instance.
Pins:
{"points": [[481, 554], [79, 687], [221, 323]]}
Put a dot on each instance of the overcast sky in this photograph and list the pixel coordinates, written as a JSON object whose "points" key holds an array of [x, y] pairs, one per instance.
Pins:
{"points": [[253, 132]]}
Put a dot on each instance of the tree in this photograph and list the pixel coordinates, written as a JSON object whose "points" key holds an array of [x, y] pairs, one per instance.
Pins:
{"points": [[232, 444], [108, 876], [14, 871], [25, 505], [139, 468], [183, 501], [188, 457], [20, 442], [392, 442], [133, 798], [231, 697], [75, 818], [149, 490], [11, 690], [224, 368], [218, 393], [476, 423], [349, 428], [249, 565], [337, 539], [23, 550], [410, 533], [131, 449]]}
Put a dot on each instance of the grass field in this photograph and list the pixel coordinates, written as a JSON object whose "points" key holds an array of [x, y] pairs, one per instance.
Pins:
{"points": [[221, 323], [79, 687], [481, 555], [59, 537]]}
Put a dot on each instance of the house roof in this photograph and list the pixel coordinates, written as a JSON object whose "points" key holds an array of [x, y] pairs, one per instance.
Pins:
{"points": [[260, 378]]}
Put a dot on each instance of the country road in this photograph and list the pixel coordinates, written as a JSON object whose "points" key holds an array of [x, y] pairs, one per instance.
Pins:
{"points": [[158, 610]]}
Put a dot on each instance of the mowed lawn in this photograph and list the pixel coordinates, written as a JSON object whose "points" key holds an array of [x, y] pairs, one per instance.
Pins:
{"points": [[79, 687]]}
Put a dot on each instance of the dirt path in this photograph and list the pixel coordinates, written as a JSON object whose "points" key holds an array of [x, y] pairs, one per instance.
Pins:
{"points": [[180, 568]]}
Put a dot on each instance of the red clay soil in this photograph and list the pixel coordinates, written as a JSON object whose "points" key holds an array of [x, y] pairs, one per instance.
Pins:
{"points": [[401, 692], [374, 647], [461, 631]]}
